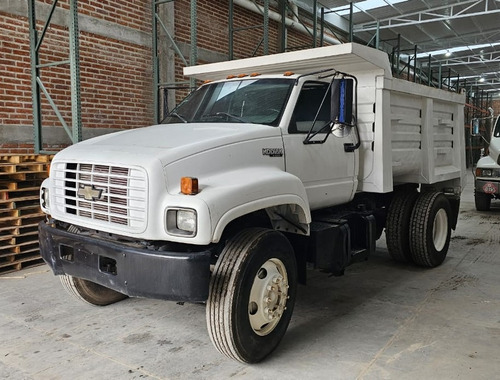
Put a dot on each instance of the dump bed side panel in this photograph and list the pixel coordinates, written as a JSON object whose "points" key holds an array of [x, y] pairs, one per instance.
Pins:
{"points": [[418, 136]]}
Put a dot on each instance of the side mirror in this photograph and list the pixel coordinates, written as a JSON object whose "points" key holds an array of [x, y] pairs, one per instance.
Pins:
{"points": [[341, 101]]}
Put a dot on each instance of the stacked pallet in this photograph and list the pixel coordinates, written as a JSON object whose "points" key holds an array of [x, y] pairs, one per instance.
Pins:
{"points": [[20, 213]]}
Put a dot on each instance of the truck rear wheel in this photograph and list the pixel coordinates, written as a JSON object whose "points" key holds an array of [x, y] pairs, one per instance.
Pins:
{"points": [[90, 292], [397, 230], [483, 201], [430, 229], [252, 294]]}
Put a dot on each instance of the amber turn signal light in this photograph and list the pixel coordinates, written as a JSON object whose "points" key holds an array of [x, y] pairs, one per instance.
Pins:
{"points": [[189, 185]]}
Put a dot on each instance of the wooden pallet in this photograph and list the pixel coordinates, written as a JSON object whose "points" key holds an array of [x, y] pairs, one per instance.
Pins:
{"points": [[25, 158], [20, 213], [21, 261]]}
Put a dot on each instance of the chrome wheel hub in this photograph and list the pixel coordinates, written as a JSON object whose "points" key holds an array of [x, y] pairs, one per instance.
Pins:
{"points": [[268, 297], [440, 229]]}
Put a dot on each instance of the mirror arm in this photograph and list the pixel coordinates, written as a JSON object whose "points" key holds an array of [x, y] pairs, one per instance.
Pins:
{"points": [[349, 147], [311, 135], [352, 147]]}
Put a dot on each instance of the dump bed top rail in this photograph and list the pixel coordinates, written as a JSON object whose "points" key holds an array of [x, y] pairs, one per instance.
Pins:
{"points": [[349, 57]]}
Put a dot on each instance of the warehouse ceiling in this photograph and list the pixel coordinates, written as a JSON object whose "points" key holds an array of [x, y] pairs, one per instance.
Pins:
{"points": [[461, 36]]}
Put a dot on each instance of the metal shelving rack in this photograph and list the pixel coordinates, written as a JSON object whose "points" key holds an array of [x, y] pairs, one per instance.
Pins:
{"points": [[36, 40], [161, 89], [426, 74]]}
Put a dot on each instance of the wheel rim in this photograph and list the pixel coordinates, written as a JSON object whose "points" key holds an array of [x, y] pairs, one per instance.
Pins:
{"points": [[440, 229], [268, 297]]}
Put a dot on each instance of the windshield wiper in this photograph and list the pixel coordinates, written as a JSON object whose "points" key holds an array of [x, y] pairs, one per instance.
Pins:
{"points": [[228, 115], [232, 116], [178, 116]]}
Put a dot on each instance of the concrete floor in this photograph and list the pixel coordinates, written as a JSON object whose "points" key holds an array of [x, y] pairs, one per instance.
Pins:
{"points": [[379, 321]]}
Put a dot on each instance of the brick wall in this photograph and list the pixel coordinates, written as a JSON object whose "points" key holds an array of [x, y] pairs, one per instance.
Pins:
{"points": [[495, 104], [116, 77], [213, 32], [116, 84], [15, 88], [213, 28]]}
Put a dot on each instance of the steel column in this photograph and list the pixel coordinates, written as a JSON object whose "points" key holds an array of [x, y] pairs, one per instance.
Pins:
{"points": [[351, 33], [35, 73], [74, 66], [37, 86], [315, 22], [266, 27], [193, 56], [161, 88], [156, 75], [231, 31]]}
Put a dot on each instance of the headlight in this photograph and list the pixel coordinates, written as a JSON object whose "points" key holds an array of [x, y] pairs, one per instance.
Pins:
{"points": [[181, 222], [44, 199], [186, 220], [487, 172]]}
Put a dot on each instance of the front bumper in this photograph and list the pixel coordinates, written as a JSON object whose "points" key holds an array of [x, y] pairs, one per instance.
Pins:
{"points": [[136, 272], [488, 186]]}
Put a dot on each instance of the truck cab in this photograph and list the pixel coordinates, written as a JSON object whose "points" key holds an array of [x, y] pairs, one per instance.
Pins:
{"points": [[487, 173]]}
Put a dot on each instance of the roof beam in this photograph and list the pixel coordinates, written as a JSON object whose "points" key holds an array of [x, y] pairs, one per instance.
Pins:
{"points": [[442, 13], [469, 59], [470, 39]]}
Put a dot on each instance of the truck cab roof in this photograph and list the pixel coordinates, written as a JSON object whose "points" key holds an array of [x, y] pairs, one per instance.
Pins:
{"points": [[349, 57]]}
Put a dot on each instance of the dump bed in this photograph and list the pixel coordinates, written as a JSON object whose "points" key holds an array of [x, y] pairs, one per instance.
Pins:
{"points": [[410, 133]]}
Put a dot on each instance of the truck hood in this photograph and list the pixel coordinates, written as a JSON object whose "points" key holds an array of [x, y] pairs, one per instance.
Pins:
{"points": [[166, 142]]}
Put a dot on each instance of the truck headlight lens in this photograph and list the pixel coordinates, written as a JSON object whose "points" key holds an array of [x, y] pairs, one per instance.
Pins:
{"points": [[186, 220], [44, 199], [487, 172], [181, 222]]}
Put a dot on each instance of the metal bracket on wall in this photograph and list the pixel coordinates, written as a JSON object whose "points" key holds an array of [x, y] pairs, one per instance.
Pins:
{"points": [[37, 86]]}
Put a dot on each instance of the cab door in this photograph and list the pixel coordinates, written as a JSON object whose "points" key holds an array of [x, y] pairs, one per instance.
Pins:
{"points": [[327, 170]]}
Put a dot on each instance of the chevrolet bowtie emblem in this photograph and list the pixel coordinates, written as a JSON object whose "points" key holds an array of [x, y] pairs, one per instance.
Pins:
{"points": [[89, 193]]}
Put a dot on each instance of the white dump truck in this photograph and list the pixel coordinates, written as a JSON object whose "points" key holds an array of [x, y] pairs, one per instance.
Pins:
{"points": [[487, 173], [274, 165]]}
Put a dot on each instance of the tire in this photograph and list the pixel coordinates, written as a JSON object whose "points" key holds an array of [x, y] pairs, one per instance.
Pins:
{"points": [[252, 294], [430, 229], [483, 201], [90, 292], [397, 230]]}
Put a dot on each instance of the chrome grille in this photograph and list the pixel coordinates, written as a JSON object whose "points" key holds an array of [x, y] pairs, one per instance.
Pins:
{"points": [[113, 195]]}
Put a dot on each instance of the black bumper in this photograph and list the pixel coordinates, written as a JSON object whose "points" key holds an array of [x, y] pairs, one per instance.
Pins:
{"points": [[132, 271]]}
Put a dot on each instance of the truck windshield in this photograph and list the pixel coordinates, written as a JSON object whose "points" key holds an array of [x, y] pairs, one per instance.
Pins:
{"points": [[259, 101], [496, 132]]}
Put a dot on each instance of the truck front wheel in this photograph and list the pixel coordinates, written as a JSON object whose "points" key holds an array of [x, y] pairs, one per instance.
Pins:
{"points": [[483, 201], [252, 294], [90, 292], [430, 229]]}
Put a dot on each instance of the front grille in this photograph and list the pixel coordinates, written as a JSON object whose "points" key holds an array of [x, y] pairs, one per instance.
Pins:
{"points": [[113, 195]]}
